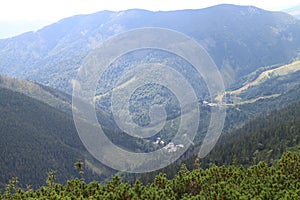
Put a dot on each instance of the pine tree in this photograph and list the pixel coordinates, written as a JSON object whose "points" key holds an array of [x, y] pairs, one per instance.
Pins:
{"points": [[79, 165]]}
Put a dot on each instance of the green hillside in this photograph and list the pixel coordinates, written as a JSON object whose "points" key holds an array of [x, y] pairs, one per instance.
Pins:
{"points": [[50, 96], [267, 82], [35, 138], [264, 138], [259, 131]]}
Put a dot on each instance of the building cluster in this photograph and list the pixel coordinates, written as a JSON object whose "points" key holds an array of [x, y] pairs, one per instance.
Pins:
{"points": [[205, 103], [170, 147], [159, 141]]}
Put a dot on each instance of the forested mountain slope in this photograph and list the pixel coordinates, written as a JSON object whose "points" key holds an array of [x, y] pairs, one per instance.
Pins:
{"points": [[34, 138], [264, 138], [52, 97], [255, 132], [240, 40]]}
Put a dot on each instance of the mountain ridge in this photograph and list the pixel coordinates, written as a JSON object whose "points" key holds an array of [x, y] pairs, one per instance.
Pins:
{"points": [[54, 98], [295, 11], [233, 35]]}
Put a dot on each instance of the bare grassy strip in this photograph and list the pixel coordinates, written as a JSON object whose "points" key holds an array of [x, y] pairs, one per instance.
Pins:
{"points": [[279, 71]]}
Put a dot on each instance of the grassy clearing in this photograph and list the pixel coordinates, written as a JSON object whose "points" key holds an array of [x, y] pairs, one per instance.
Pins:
{"points": [[279, 71]]}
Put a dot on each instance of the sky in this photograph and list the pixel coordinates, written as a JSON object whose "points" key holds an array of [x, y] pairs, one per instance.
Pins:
{"points": [[18, 16]]}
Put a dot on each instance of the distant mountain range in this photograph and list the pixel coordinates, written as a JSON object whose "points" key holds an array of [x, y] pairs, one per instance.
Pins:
{"points": [[16, 27], [295, 11], [240, 39]]}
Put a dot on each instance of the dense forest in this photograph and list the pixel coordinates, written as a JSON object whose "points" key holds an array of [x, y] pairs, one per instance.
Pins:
{"points": [[248, 163], [264, 138], [260, 181], [35, 137]]}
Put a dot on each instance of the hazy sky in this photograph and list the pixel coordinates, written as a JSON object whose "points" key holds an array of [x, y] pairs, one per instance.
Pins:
{"points": [[29, 13]]}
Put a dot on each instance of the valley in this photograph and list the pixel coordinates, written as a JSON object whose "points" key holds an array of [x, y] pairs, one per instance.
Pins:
{"points": [[257, 54]]}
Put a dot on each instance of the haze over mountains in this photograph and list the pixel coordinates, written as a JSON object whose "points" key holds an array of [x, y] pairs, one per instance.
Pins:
{"points": [[295, 11], [257, 52], [239, 39], [13, 28]]}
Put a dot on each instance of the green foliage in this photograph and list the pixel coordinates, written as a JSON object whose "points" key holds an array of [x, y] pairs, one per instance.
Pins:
{"points": [[34, 138], [79, 165], [51, 179], [260, 181], [264, 138], [274, 85]]}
